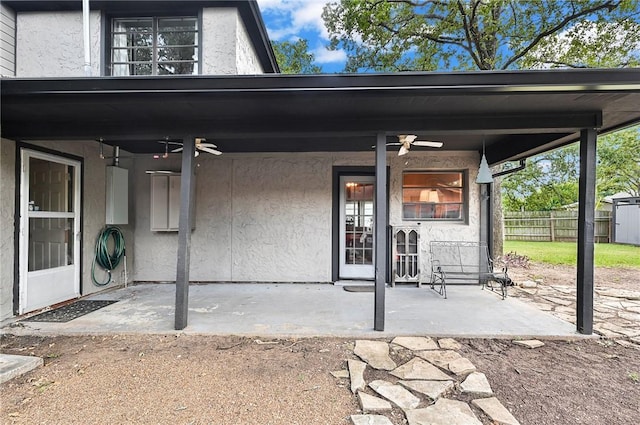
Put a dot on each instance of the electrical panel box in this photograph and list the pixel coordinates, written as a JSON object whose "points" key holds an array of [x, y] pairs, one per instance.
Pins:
{"points": [[117, 195]]}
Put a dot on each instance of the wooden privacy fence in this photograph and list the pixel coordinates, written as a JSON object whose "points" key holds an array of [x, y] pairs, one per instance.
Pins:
{"points": [[551, 226]]}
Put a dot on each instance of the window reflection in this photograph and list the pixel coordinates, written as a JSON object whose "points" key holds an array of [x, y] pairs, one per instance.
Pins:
{"points": [[50, 186], [50, 243]]}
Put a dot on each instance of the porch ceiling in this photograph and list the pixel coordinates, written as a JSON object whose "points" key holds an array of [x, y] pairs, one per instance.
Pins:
{"points": [[517, 113]]}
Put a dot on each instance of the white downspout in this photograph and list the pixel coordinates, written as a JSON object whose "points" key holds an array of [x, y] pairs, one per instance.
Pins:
{"points": [[86, 38]]}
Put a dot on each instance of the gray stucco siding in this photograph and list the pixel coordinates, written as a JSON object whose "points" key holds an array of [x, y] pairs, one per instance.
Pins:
{"points": [[7, 213], [268, 218], [259, 217], [93, 215], [219, 40], [50, 44], [247, 61]]}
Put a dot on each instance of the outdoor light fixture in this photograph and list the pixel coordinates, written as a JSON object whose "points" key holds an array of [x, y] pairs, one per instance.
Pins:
{"points": [[484, 173]]}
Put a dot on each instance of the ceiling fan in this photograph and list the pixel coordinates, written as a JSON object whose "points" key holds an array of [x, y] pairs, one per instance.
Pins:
{"points": [[405, 141], [201, 146]]}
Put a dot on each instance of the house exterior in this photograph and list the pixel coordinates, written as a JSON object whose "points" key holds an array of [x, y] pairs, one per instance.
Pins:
{"points": [[221, 38], [309, 188]]}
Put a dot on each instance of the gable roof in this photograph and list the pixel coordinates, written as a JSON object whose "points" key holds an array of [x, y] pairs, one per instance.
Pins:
{"points": [[517, 113]]}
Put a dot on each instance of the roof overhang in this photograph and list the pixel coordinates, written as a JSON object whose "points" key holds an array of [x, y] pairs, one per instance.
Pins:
{"points": [[517, 113]]}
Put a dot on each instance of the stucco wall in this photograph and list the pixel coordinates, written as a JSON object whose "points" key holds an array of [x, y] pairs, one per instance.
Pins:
{"points": [[94, 185], [226, 47], [268, 217], [7, 212], [247, 61], [7, 41], [50, 44], [219, 40]]}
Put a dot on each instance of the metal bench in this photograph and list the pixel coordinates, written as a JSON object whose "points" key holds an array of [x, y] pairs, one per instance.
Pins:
{"points": [[461, 261]]}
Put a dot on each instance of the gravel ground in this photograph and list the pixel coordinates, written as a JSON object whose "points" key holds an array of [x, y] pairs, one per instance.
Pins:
{"points": [[233, 380], [177, 380]]}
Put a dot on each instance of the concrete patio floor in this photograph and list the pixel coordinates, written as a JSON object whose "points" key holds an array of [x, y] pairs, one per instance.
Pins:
{"points": [[286, 310]]}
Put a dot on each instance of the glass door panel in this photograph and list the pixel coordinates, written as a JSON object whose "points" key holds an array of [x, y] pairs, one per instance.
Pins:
{"points": [[49, 230], [357, 223]]}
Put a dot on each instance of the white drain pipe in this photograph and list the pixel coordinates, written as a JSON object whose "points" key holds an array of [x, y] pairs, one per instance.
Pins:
{"points": [[86, 37]]}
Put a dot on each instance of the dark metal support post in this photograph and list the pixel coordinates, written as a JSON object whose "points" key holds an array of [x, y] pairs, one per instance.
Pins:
{"points": [[381, 230], [485, 214], [586, 219], [184, 233]]}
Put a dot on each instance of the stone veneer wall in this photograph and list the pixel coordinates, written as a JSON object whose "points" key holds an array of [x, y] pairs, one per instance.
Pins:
{"points": [[267, 217], [50, 44]]}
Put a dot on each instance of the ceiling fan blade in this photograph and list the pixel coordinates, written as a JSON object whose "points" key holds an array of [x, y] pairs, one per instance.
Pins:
{"points": [[394, 144], [177, 150], [206, 145], [169, 142], [403, 138], [209, 150], [403, 150], [427, 143]]}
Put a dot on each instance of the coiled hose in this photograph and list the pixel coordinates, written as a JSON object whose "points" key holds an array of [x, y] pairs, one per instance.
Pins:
{"points": [[108, 261]]}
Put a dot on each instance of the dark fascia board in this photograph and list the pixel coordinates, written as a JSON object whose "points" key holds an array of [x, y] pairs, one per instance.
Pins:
{"points": [[480, 82], [248, 9], [258, 34]]}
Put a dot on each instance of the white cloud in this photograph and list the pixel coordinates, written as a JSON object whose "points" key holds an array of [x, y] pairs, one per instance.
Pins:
{"points": [[292, 18], [323, 55]]}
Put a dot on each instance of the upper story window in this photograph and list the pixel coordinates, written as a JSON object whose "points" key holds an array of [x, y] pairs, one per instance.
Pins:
{"points": [[154, 46], [431, 195]]}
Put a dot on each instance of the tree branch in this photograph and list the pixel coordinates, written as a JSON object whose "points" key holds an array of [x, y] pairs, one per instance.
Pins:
{"points": [[467, 31], [574, 16]]}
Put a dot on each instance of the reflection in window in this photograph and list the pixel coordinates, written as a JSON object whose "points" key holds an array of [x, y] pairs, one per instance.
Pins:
{"points": [[154, 46], [433, 196], [50, 186], [50, 243]]}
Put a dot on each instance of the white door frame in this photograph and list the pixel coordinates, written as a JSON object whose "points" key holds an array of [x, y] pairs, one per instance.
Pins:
{"points": [[35, 286], [351, 271]]}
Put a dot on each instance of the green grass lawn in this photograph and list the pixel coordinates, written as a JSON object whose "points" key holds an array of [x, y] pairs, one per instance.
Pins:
{"points": [[606, 254]]}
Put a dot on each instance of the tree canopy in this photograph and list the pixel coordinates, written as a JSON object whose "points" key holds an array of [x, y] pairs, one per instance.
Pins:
{"points": [[402, 35], [619, 162], [550, 180], [294, 57]]}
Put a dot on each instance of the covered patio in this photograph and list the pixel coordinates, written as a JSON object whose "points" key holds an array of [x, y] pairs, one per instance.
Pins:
{"points": [[508, 115], [307, 310]]}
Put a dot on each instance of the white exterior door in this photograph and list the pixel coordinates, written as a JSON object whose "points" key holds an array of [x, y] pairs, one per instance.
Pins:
{"points": [[49, 259], [357, 227]]}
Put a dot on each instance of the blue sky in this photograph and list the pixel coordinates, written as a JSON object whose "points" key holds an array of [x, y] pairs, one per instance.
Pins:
{"points": [[289, 20]]}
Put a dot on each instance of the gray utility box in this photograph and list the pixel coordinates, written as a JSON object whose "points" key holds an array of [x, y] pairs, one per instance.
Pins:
{"points": [[165, 203], [117, 202]]}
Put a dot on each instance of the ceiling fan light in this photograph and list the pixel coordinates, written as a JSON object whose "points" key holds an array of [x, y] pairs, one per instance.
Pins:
{"points": [[484, 173]]}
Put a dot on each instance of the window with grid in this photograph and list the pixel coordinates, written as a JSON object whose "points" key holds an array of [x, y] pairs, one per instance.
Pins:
{"points": [[154, 46], [434, 195]]}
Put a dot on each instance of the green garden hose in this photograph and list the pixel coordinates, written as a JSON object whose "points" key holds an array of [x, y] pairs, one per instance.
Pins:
{"points": [[108, 261]]}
